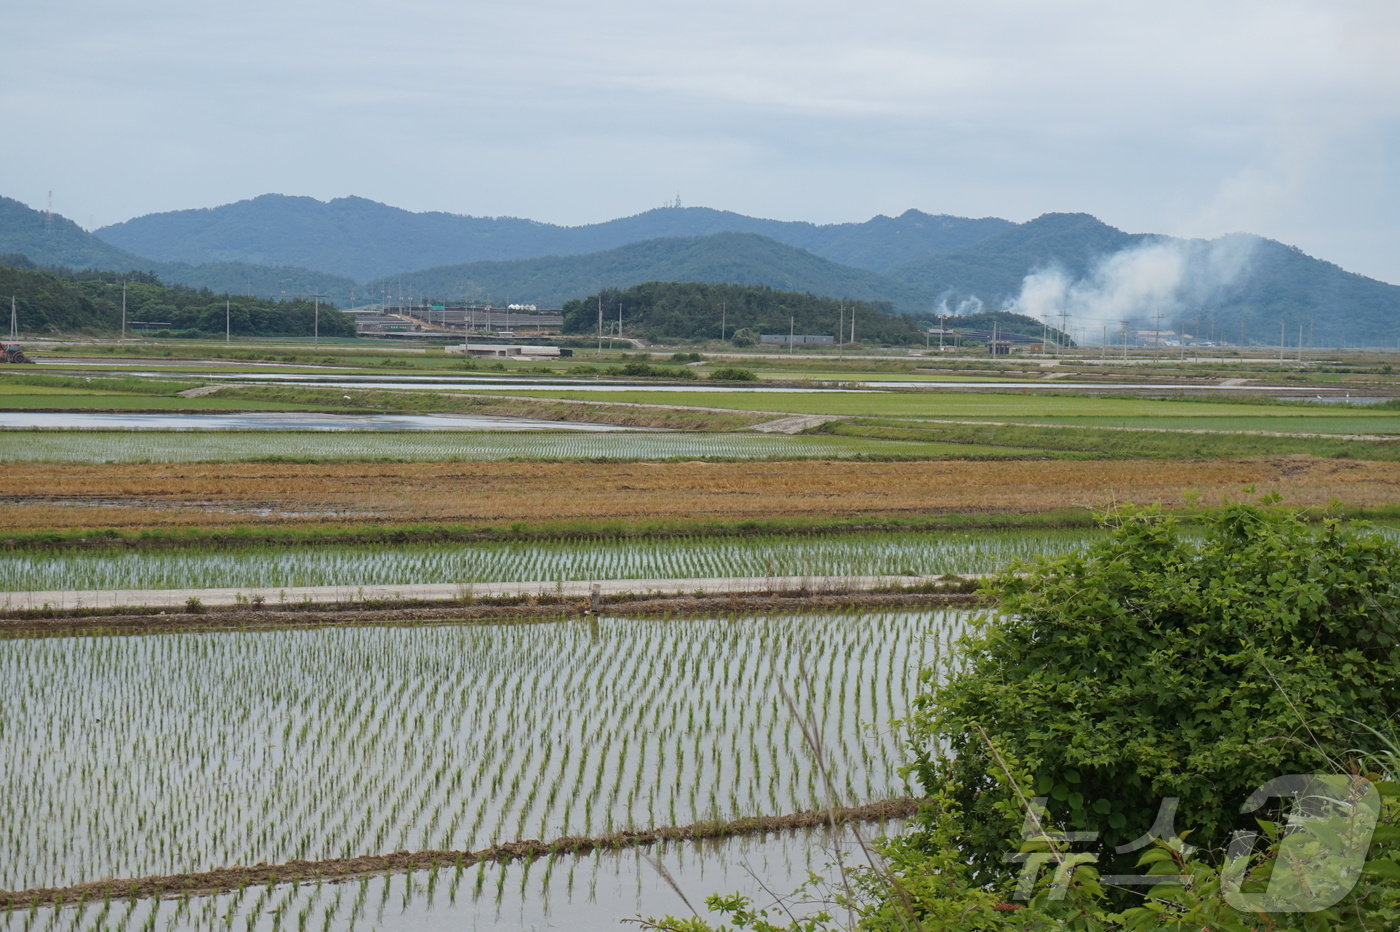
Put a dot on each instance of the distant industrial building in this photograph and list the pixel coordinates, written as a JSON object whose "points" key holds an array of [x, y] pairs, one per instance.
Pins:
{"points": [[1157, 338], [517, 318], [373, 322], [507, 351], [797, 339]]}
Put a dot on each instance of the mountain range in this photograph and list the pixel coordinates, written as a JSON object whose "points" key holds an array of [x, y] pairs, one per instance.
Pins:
{"points": [[356, 251], [363, 240]]}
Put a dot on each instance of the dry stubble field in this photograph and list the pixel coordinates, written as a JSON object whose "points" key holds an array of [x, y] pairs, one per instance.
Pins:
{"points": [[46, 496]]}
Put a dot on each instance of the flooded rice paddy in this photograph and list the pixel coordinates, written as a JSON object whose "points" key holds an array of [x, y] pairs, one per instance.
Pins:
{"points": [[162, 754], [449, 382], [139, 446], [294, 421]]}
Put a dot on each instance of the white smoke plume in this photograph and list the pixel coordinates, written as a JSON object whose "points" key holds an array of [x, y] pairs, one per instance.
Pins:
{"points": [[969, 305], [1171, 278]]}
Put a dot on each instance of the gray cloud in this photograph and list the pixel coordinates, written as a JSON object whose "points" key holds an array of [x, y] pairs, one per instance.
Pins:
{"points": [[1194, 118]]}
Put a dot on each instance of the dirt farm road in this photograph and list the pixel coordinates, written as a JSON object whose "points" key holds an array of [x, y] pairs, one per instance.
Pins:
{"points": [[68, 600]]}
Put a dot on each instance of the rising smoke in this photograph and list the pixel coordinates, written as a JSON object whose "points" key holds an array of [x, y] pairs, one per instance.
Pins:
{"points": [[972, 305], [1166, 279]]}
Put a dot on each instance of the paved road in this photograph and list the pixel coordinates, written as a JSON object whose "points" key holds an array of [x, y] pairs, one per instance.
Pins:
{"points": [[177, 598]]}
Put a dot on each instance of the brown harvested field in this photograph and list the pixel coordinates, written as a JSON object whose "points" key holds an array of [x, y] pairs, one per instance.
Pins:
{"points": [[48, 496]]}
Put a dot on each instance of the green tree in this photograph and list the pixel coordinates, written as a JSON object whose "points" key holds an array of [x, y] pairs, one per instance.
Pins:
{"points": [[699, 311], [1161, 664]]}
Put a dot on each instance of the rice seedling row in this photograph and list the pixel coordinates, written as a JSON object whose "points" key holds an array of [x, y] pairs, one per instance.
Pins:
{"points": [[272, 566], [165, 754]]}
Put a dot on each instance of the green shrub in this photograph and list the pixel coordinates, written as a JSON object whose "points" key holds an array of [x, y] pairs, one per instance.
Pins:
{"points": [[641, 370], [1159, 664], [732, 374]]}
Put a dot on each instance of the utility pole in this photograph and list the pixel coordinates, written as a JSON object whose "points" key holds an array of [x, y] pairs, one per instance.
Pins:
{"points": [[723, 318], [1157, 330], [619, 320], [14, 320], [792, 325], [228, 321], [1125, 339], [942, 327], [1300, 342], [600, 323], [1064, 326], [1280, 341], [316, 321], [123, 310]]}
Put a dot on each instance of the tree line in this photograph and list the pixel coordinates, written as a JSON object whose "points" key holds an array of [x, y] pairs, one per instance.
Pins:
{"points": [[699, 311], [90, 301]]}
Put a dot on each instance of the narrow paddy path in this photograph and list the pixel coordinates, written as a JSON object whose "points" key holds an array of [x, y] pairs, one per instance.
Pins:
{"points": [[227, 879]]}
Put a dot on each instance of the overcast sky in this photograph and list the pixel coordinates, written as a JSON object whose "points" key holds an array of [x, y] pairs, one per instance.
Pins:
{"points": [[1188, 117]]}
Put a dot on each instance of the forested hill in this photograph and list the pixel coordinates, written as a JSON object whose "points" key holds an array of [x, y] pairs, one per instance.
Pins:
{"points": [[1275, 285], [363, 239], [730, 258], [696, 311], [53, 241], [993, 269], [49, 239], [49, 301], [1287, 290]]}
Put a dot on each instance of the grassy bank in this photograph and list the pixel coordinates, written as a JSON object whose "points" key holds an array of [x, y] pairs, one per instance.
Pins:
{"points": [[1085, 442]]}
